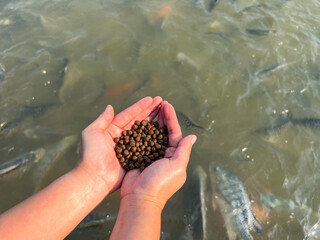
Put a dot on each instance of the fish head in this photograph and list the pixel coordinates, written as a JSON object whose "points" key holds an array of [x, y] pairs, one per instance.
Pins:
{"points": [[218, 173], [39, 153]]}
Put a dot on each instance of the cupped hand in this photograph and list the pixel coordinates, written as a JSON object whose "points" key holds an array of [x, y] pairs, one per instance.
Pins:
{"points": [[159, 181], [98, 157]]}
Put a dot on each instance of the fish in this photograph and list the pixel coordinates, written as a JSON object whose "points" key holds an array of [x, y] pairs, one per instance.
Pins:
{"points": [[197, 218], [50, 159], [285, 119], [39, 132], [103, 221], [22, 161], [231, 197], [2, 71], [25, 116], [279, 204], [186, 122], [254, 7], [272, 69], [259, 32], [94, 220], [184, 59], [64, 68], [208, 5]]}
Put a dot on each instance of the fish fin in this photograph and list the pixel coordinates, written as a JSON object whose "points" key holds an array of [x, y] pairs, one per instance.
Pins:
{"points": [[256, 227]]}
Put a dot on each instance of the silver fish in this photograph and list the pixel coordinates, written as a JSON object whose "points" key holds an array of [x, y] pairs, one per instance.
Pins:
{"points": [[233, 201], [39, 132], [51, 158], [93, 220], [261, 32], [313, 123], [21, 161], [272, 69], [208, 5], [197, 217], [2, 71], [186, 122], [25, 117]]}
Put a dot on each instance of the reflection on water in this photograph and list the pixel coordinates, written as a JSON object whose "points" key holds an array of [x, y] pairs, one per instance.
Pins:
{"points": [[232, 67]]}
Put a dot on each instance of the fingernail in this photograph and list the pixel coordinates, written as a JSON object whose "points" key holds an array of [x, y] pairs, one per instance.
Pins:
{"points": [[193, 139], [107, 107]]}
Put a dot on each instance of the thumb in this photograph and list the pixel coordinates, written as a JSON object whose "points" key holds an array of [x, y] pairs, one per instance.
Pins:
{"points": [[104, 120], [183, 150], [129, 179]]}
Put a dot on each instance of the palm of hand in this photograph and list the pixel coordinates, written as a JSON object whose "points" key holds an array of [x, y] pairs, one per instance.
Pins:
{"points": [[158, 182], [98, 155]]}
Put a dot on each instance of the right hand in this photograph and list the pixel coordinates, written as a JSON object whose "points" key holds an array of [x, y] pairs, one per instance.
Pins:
{"points": [[159, 181]]}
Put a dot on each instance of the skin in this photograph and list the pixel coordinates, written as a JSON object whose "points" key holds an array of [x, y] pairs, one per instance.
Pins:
{"points": [[56, 210]]}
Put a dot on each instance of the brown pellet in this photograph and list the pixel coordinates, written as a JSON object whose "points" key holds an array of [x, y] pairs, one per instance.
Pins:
{"points": [[140, 159], [137, 165], [141, 145], [137, 123]]}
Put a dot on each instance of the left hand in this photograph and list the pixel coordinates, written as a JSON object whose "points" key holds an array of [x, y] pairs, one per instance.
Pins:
{"points": [[98, 157]]}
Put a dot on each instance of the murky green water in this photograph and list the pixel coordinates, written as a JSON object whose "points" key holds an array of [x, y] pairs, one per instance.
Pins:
{"points": [[232, 70]]}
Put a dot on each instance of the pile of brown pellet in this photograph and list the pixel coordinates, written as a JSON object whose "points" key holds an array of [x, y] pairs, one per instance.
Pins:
{"points": [[139, 147]]}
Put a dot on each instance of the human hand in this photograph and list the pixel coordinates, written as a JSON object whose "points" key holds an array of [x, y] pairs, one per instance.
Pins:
{"points": [[98, 158], [159, 181]]}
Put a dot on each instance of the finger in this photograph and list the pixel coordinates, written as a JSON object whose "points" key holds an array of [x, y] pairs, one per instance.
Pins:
{"points": [[104, 120], [130, 177], [145, 113], [160, 116], [171, 121], [129, 114], [154, 114], [183, 151]]}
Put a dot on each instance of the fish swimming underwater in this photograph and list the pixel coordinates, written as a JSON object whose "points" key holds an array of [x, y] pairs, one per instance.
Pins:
{"points": [[196, 204], [186, 122], [25, 116], [313, 123], [208, 5], [51, 157], [271, 69], [279, 204], [1, 73], [21, 161], [233, 201]]}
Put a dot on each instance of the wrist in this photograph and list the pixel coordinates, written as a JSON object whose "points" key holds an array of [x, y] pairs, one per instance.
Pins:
{"points": [[92, 179], [144, 202], [136, 212]]}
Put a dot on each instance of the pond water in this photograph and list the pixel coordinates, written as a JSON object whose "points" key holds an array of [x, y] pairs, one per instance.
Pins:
{"points": [[232, 67]]}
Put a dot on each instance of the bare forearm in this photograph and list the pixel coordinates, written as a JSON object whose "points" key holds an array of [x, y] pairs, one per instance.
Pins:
{"points": [[137, 220], [56, 210]]}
